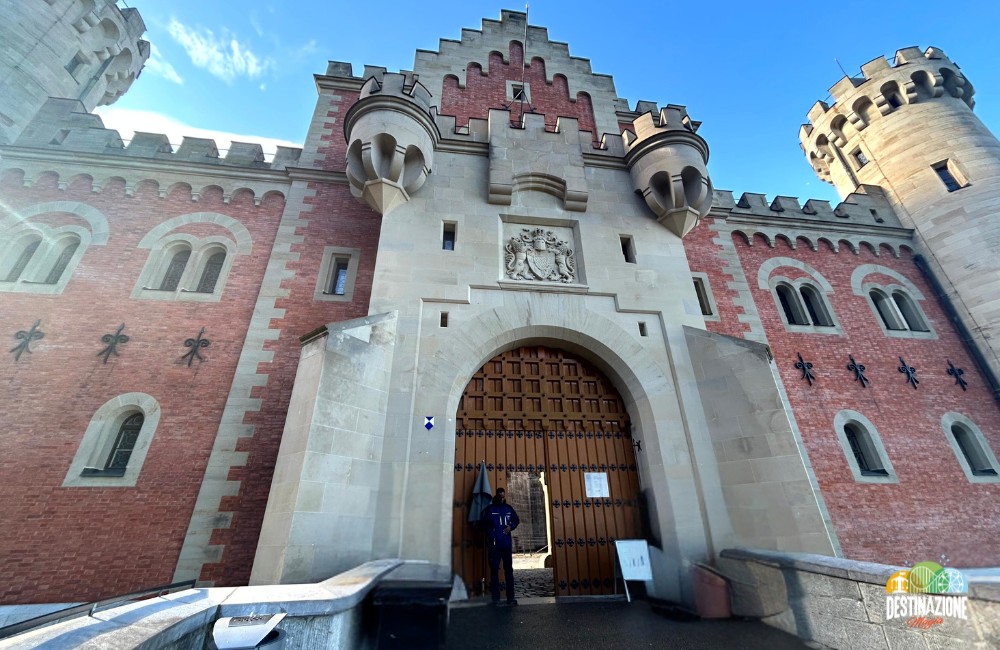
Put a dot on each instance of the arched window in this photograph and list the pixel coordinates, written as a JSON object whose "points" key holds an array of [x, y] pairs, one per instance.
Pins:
{"points": [[863, 449], [861, 446], [967, 443], [115, 444], [802, 302], [175, 270], [37, 257], [24, 254], [911, 315], [68, 250], [210, 275], [885, 310], [794, 314], [815, 306], [183, 266], [971, 449], [894, 299]]}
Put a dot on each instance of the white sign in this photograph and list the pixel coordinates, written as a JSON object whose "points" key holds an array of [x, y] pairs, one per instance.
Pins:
{"points": [[633, 555], [596, 484], [244, 631]]}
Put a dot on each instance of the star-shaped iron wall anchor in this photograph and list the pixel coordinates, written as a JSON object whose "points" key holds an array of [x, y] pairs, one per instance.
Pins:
{"points": [[195, 344], [26, 339], [957, 374], [859, 371], [113, 341], [910, 372], [806, 369]]}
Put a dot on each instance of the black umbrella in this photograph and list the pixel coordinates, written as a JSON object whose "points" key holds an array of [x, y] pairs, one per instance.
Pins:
{"points": [[482, 494]]}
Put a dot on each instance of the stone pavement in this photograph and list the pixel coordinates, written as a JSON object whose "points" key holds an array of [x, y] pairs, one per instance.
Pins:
{"points": [[606, 624]]}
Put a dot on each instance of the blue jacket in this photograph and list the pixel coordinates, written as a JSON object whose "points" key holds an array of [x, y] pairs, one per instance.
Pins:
{"points": [[494, 519]]}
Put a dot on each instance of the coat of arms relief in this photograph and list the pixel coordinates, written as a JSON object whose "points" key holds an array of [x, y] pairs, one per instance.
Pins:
{"points": [[538, 254]]}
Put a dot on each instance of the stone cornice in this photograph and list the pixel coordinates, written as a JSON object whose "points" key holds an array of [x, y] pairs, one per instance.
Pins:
{"points": [[316, 175], [329, 83]]}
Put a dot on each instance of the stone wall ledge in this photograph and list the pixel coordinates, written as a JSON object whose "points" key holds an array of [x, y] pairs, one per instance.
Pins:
{"points": [[184, 619]]}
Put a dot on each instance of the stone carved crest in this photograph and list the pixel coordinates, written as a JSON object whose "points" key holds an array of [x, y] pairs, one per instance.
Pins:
{"points": [[537, 254]]}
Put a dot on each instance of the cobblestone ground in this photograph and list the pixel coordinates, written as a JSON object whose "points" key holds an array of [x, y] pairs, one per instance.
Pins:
{"points": [[533, 583]]}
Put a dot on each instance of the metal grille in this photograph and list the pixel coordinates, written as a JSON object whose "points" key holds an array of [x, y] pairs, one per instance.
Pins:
{"points": [[544, 411]]}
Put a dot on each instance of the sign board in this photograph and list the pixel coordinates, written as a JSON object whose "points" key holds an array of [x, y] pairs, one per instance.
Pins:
{"points": [[244, 631], [633, 555], [596, 484]]}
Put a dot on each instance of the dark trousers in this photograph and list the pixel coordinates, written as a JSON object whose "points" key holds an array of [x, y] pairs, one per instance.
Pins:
{"points": [[498, 554]]}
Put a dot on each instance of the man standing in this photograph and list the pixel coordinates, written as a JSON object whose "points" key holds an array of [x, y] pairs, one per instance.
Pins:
{"points": [[498, 519]]}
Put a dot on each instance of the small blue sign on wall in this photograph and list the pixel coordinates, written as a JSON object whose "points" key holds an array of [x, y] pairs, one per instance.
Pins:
{"points": [[429, 422]]}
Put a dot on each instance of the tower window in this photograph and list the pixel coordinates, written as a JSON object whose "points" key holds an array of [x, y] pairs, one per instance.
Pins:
{"points": [[448, 236], [703, 301], [444, 319], [949, 175], [337, 274], [628, 249], [642, 329], [860, 158], [74, 65], [338, 277]]}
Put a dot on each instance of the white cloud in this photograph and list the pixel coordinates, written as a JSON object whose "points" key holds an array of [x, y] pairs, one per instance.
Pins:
{"points": [[127, 121], [223, 56], [159, 66]]}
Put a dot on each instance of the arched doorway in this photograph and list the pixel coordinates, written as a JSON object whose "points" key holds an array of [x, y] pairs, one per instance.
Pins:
{"points": [[542, 413]]}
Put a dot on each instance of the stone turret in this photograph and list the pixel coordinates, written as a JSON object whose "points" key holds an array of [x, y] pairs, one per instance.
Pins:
{"points": [[909, 128], [667, 161], [391, 135], [87, 50]]}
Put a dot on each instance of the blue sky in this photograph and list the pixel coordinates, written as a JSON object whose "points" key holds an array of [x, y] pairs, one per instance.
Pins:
{"points": [[748, 70]]}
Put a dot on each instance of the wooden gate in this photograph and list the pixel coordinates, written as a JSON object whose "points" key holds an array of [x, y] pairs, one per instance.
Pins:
{"points": [[544, 411]]}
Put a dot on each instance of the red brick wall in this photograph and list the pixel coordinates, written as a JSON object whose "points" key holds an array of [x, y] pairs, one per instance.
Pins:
{"points": [[82, 543], [703, 257], [933, 510], [486, 90], [335, 218]]}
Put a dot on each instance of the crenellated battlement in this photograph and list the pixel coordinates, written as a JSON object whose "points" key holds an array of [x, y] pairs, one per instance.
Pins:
{"points": [[864, 217], [913, 77], [65, 125]]}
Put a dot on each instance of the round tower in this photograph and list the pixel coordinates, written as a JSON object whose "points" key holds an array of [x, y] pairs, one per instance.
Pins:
{"points": [[909, 128], [88, 50]]}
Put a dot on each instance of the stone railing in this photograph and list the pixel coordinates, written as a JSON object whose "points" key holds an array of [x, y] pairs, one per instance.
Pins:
{"points": [[326, 614], [836, 603]]}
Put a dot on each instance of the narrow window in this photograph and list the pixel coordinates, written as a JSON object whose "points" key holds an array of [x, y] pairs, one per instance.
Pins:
{"points": [[210, 276], [703, 302], [60, 266], [338, 278], [814, 305], [642, 328], [172, 278], [628, 249], [793, 313], [448, 237], [885, 310], [974, 455], [860, 158], [22, 261], [444, 319], [75, 64], [861, 447], [121, 451], [948, 176], [909, 312]]}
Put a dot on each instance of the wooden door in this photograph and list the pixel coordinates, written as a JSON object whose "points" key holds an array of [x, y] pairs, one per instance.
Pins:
{"points": [[544, 411]]}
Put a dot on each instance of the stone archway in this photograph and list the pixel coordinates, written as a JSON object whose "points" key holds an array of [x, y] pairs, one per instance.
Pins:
{"points": [[545, 412]]}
